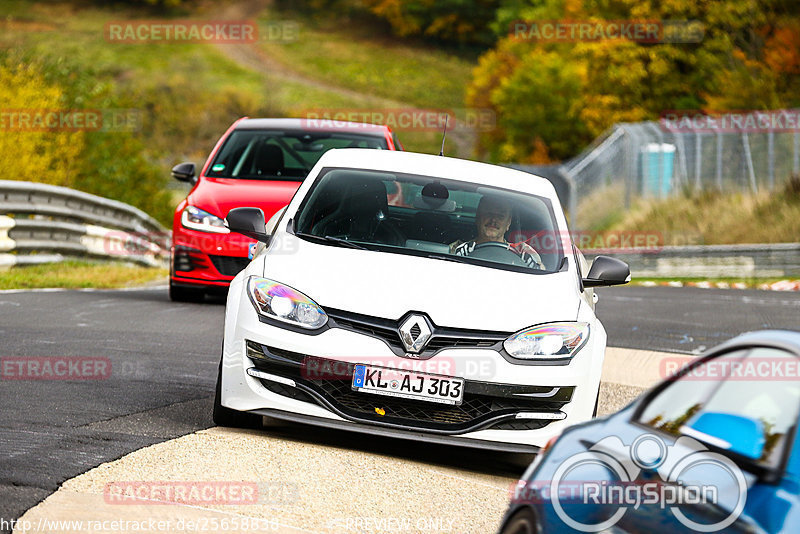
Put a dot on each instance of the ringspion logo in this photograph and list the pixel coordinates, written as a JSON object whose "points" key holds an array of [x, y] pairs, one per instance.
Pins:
{"points": [[608, 474]]}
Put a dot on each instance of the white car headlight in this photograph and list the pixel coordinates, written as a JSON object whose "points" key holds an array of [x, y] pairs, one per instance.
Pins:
{"points": [[277, 301], [551, 340], [201, 220]]}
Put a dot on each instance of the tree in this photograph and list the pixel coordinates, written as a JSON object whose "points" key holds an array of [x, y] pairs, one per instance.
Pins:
{"points": [[28, 152], [564, 93]]}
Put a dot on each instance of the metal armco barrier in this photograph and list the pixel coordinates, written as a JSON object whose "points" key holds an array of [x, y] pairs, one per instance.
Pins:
{"points": [[42, 223], [713, 261]]}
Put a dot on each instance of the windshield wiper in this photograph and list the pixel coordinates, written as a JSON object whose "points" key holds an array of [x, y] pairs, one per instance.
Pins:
{"points": [[446, 257], [328, 239], [472, 261]]}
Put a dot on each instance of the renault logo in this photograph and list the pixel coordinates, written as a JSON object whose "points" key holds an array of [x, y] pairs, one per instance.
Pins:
{"points": [[415, 332]]}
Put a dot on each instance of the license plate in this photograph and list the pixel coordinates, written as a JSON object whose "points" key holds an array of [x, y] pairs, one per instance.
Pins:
{"points": [[408, 384]]}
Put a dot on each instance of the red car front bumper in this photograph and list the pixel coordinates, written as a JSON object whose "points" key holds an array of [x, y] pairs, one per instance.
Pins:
{"points": [[200, 259]]}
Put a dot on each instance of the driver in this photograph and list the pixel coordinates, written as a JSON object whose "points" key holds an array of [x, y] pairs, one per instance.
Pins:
{"points": [[493, 219]]}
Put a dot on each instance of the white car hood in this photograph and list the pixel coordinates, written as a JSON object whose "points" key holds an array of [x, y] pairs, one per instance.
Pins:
{"points": [[389, 285]]}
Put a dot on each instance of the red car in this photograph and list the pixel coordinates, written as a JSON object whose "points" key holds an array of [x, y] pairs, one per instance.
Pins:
{"points": [[258, 162]]}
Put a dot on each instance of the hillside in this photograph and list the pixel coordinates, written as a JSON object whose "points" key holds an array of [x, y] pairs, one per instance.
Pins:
{"points": [[185, 95], [57, 55]]}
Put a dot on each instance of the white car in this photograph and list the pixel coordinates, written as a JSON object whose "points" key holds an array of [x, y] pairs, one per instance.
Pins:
{"points": [[416, 296]]}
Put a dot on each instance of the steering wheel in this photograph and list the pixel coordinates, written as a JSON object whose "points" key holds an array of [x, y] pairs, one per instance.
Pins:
{"points": [[499, 252]]}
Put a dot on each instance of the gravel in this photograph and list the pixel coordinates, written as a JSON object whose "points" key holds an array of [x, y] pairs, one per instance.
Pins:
{"points": [[308, 487], [303, 482]]}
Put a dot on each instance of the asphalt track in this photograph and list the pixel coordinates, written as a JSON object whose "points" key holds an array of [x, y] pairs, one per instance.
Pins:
{"points": [[690, 320], [163, 359]]}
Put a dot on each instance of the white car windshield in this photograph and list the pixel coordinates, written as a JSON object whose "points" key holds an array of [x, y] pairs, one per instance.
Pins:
{"points": [[433, 217]]}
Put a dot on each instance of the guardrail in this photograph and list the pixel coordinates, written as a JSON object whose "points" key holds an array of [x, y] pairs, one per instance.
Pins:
{"points": [[712, 261], [41, 223]]}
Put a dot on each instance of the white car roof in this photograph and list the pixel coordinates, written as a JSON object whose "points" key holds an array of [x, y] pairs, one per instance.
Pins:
{"points": [[440, 167]]}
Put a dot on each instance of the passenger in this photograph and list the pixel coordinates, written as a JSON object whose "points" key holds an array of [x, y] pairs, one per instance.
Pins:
{"points": [[493, 219]]}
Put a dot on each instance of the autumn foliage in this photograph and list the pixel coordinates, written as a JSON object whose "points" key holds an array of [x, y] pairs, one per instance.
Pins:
{"points": [[35, 155], [564, 93], [106, 164], [552, 97]]}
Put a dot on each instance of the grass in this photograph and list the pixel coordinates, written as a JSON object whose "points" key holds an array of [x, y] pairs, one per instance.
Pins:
{"points": [[74, 274], [190, 93], [371, 69], [598, 210], [749, 282], [296, 99], [713, 218], [353, 55]]}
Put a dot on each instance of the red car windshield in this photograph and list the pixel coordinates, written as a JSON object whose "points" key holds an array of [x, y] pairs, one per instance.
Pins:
{"points": [[281, 155]]}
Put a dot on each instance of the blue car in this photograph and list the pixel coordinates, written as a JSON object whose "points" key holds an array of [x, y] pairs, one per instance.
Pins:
{"points": [[713, 448]]}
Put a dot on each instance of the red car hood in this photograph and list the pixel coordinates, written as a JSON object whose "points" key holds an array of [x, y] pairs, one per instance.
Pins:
{"points": [[220, 195]]}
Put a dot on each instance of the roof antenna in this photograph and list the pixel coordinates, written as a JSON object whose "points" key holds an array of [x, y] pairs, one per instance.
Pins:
{"points": [[444, 134]]}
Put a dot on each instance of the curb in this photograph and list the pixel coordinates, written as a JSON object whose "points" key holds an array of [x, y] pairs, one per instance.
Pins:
{"points": [[443, 497], [782, 285]]}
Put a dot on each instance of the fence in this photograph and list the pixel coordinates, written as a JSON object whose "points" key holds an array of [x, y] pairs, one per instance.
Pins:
{"points": [[42, 223], [734, 152]]}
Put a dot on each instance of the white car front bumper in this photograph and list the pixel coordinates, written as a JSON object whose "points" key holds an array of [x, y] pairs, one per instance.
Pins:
{"points": [[495, 389]]}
